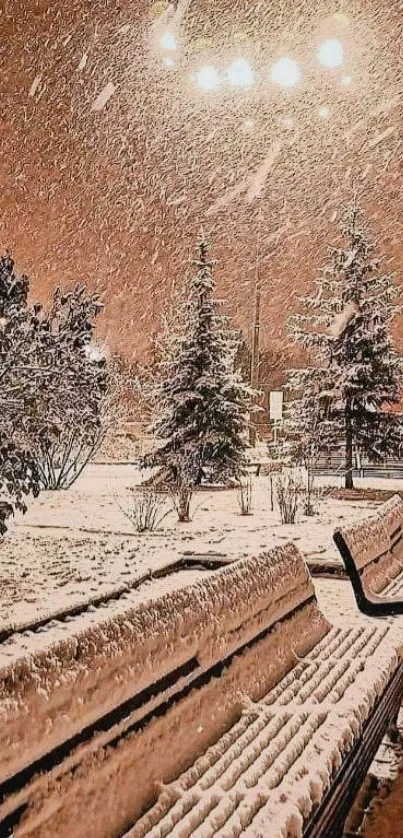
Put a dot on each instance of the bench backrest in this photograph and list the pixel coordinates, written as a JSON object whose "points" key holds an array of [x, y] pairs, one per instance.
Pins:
{"points": [[373, 547], [150, 645], [392, 516]]}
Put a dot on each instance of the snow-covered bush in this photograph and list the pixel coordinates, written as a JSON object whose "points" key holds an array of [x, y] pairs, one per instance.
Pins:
{"points": [[288, 494], [20, 378], [355, 370], [55, 389], [74, 409], [245, 495], [146, 509]]}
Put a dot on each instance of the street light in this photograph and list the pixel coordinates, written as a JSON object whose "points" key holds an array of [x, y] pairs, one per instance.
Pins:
{"points": [[208, 78], [240, 73], [285, 72], [331, 53], [168, 41]]}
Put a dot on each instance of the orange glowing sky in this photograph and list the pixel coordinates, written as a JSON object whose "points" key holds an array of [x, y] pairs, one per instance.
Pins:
{"points": [[116, 196]]}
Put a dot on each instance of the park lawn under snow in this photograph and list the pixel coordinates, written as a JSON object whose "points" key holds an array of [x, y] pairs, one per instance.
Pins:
{"points": [[75, 545]]}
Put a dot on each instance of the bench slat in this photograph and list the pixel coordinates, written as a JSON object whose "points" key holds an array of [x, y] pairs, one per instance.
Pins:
{"points": [[240, 785]]}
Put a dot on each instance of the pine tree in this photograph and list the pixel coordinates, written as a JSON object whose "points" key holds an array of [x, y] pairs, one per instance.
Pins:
{"points": [[201, 401], [342, 399]]}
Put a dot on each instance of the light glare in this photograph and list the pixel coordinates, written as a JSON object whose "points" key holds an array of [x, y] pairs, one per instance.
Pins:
{"points": [[240, 73], [285, 72], [331, 53], [208, 78], [168, 41], [346, 80]]}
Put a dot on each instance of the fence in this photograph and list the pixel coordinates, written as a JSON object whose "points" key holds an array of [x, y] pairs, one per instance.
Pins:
{"points": [[333, 464]]}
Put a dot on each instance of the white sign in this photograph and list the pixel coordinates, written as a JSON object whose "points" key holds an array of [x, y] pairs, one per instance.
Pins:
{"points": [[276, 405]]}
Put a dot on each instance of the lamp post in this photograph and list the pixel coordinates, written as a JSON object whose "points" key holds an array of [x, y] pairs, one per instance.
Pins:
{"points": [[255, 354]]}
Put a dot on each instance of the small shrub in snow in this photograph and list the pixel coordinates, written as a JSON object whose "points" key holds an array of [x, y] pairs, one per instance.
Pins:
{"points": [[310, 495], [288, 493], [244, 495], [147, 509], [309, 502]]}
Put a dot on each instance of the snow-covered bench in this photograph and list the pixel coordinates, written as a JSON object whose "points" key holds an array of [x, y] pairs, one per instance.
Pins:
{"points": [[372, 551], [234, 672], [294, 761]]}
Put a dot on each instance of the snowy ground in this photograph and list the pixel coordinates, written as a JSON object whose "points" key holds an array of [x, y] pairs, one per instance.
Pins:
{"points": [[72, 546], [77, 544]]}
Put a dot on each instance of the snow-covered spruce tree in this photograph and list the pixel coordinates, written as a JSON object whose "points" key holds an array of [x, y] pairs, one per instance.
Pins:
{"points": [[73, 407], [200, 401], [18, 380], [357, 372]]}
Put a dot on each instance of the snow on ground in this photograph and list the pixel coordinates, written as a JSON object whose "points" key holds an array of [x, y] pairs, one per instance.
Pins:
{"points": [[78, 544], [385, 817]]}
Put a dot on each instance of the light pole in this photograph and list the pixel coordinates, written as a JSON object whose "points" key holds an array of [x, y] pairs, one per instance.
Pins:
{"points": [[255, 354]]}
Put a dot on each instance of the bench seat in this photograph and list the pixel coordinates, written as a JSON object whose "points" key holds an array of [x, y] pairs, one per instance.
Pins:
{"points": [[273, 770]]}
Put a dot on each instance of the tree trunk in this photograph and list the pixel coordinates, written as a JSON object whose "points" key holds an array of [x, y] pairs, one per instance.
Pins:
{"points": [[184, 498], [348, 480]]}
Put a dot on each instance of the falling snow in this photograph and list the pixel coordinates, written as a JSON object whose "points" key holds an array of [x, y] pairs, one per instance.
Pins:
{"points": [[104, 97], [112, 153], [34, 86]]}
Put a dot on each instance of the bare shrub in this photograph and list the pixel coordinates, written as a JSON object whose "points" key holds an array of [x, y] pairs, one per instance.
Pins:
{"points": [[184, 468], [245, 495], [288, 494], [147, 509], [178, 479], [309, 495], [312, 495]]}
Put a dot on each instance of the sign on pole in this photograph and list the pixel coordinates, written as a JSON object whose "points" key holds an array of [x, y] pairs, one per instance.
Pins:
{"points": [[276, 405]]}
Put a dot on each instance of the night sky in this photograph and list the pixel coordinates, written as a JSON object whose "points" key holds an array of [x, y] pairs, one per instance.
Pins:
{"points": [[113, 191]]}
